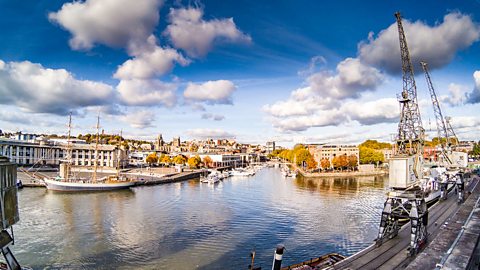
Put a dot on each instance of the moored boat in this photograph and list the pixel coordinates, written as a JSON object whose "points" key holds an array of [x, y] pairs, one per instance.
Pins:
{"points": [[68, 182], [57, 184], [321, 262]]}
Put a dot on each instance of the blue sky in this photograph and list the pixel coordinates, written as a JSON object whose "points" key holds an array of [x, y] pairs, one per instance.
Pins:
{"points": [[290, 71]]}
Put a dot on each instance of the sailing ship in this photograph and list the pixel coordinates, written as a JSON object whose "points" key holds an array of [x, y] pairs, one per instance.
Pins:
{"points": [[66, 181]]}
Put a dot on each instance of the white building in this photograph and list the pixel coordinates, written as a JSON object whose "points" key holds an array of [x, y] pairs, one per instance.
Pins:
{"points": [[220, 160], [43, 151]]}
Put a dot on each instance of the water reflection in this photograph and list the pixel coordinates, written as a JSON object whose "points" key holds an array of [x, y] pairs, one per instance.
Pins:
{"points": [[330, 184], [192, 225]]}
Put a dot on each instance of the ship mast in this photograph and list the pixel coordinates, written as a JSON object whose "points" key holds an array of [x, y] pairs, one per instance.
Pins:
{"points": [[69, 149], [119, 154], [94, 180]]}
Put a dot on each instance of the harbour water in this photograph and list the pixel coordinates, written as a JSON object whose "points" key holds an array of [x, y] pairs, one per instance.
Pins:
{"points": [[192, 225]]}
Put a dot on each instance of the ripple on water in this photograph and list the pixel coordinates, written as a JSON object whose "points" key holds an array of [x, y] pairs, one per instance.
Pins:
{"points": [[193, 225]]}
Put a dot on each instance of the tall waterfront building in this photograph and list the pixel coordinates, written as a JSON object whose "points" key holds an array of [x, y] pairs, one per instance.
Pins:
{"points": [[270, 147], [176, 141]]}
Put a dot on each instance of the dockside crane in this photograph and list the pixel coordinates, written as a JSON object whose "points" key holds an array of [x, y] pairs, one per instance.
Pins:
{"points": [[406, 198], [451, 134], [442, 132], [451, 159]]}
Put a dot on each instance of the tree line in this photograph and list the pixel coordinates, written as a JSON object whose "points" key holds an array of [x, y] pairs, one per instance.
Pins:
{"points": [[193, 162]]}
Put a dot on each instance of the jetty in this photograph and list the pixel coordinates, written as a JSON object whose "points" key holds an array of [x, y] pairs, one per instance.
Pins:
{"points": [[453, 234]]}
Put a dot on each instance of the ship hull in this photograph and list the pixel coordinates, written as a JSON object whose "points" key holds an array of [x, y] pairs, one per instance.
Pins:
{"points": [[77, 186]]}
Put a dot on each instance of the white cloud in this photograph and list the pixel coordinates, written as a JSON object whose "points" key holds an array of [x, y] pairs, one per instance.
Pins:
{"points": [[201, 133], [459, 122], [189, 31], [314, 61], [437, 45], [301, 102], [301, 123], [323, 101], [456, 96], [150, 63], [364, 112], [351, 80], [474, 96], [35, 88], [115, 23], [341, 94], [373, 112], [147, 93], [211, 92], [139, 119], [128, 25]]}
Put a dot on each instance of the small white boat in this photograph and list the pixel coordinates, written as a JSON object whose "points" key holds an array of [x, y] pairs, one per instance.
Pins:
{"points": [[210, 179], [226, 174], [213, 179], [242, 172]]}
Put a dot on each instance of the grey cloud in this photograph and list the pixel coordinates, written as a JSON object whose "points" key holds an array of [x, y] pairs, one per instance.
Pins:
{"points": [[214, 117]]}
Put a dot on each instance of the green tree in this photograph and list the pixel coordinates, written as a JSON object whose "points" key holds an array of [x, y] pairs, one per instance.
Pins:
{"points": [[151, 158], [476, 150], [373, 144], [370, 156], [193, 162], [300, 156]]}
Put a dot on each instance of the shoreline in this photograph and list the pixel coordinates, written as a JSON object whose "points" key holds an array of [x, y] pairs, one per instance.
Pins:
{"points": [[340, 174]]}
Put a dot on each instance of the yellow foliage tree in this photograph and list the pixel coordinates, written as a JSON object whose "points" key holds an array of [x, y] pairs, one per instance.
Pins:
{"points": [[193, 162], [151, 158], [179, 159], [325, 163], [208, 161], [166, 159]]}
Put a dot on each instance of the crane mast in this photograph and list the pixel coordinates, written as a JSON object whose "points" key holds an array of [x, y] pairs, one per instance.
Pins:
{"points": [[410, 136], [451, 134], [442, 132], [406, 197]]}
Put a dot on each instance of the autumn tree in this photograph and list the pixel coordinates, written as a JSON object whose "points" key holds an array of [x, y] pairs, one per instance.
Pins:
{"points": [[179, 160], [193, 147], [311, 163], [325, 163], [352, 161], [340, 162], [193, 162], [207, 160], [151, 158], [166, 159]]}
